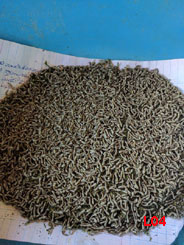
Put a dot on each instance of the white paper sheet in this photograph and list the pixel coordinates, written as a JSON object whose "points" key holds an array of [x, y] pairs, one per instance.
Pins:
{"points": [[16, 62]]}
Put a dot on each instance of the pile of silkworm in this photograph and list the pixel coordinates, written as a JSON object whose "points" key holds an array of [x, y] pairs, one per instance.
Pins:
{"points": [[93, 147]]}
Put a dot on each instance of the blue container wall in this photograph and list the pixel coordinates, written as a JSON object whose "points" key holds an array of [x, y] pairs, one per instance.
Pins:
{"points": [[121, 29]]}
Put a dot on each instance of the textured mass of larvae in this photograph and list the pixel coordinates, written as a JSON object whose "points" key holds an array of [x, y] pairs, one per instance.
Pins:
{"points": [[93, 147]]}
